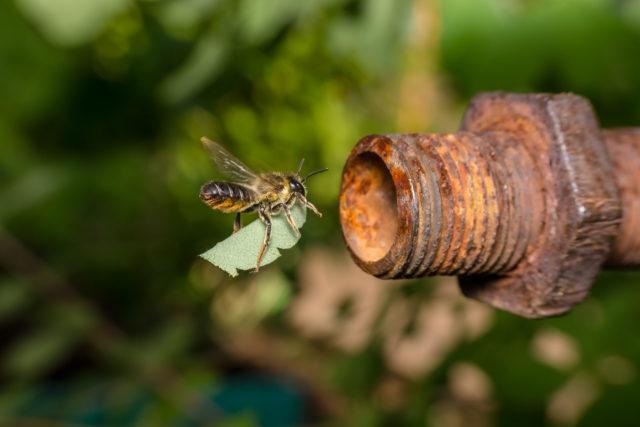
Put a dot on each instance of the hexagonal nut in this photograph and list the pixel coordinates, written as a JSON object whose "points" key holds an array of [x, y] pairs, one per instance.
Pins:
{"points": [[582, 205]]}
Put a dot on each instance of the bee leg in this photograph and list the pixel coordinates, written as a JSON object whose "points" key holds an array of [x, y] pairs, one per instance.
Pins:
{"points": [[266, 218], [310, 206], [237, 223], [292, 223]]}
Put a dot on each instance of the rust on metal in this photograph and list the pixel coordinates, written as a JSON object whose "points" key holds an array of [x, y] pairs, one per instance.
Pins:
{"points": [[525, 203], [624, 148]]}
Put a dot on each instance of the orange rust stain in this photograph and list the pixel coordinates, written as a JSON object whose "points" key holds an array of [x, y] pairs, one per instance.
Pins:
{"points": [[368, 207]]}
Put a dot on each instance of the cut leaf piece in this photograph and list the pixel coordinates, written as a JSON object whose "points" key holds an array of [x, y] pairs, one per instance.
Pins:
{"points": [[240, 250]]}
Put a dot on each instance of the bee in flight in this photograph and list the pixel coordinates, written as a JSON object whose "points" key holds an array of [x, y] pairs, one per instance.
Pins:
{"points": [[267, 193]]}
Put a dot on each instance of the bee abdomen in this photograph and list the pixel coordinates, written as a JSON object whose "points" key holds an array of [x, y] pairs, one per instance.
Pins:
{"points": [[226, 196]]}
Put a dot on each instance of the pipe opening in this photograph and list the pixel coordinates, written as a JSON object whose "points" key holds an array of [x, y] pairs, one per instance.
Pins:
{"points": [[368, 207]]}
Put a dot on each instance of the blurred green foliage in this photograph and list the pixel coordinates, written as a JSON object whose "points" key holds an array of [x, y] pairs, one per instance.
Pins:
{"points": [[102, 298]]}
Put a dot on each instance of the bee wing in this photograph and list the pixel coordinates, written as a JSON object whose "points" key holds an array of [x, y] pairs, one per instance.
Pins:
{"points": [[227, 163]]}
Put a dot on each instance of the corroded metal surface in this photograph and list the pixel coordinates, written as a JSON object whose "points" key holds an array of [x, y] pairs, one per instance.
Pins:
{"points": [[413, 205], [582, 207], [522, 204], [624, 148]]}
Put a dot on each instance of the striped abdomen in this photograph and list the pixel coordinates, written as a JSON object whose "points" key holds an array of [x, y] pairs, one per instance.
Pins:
{"points": [[227, 196]]}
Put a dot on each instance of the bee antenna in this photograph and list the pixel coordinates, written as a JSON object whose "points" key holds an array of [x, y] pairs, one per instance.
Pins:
{"points": [[300, 166], [314, 173]]}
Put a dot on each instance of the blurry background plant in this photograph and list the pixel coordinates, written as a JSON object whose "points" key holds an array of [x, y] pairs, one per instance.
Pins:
{"points": [[106, 313]]}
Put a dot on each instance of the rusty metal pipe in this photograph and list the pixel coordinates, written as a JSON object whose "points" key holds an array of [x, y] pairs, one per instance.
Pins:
{"points": [[525, 203], [624, 148]]}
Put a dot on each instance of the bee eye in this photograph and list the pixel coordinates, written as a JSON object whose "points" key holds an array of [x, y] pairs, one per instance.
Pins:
{"points": [[296, 186]]}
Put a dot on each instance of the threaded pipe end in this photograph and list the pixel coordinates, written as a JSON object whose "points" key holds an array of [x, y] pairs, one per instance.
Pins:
{"points": [[415, 205]]}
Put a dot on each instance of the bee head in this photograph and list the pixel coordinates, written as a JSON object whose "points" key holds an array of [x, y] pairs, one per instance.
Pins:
{"points": [[296, 186]]}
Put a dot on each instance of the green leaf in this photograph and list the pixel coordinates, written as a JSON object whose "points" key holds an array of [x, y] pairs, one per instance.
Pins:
{"points": [[240, 250], [60, 329], [631, 12], [71, 22], [203, 65], [185, 16], [262, 19], [14, 297], [28, 190], [34, 354]]}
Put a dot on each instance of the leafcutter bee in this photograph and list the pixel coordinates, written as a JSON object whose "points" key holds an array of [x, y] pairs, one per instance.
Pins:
{"points": [[267, 193]]}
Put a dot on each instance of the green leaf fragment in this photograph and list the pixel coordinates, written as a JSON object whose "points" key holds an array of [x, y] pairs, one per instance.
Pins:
{"points": [[240, 250]]}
